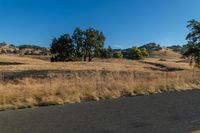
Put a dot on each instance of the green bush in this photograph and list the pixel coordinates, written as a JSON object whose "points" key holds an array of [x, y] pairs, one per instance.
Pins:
{"points": [[138, 53], [117, 54]]}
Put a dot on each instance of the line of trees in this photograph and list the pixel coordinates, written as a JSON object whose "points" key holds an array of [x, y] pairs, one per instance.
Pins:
{"points": [[83, 45]]}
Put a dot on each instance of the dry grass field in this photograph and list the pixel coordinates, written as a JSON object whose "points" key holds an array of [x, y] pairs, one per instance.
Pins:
{"points": [[28, 82]]}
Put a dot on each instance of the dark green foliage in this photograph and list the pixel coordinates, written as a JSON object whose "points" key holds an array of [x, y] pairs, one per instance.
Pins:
{"points": [[79, 41], [117, 54], [151, 47], [193, 53], [82, 45], [62, 48], [176, 48], [193, 47], [106, 53], [35, 47], [94, 41], [194, 35], [88, 43], [126, 53], [109, 52], [138, 53]]}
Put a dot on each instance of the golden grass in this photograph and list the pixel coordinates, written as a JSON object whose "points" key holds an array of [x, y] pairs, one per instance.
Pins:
{"points": [[165, 53], [36, 64], [29, 92], [111, 79]]}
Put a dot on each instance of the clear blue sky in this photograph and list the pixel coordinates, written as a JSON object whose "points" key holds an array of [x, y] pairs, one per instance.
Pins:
{"points": [[124, 22]]}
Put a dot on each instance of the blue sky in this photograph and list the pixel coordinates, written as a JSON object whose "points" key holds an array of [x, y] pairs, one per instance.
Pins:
{"points": [[125, 23]]}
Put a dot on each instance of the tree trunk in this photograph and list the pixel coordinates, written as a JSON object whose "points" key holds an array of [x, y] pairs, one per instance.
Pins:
{"points": [[85, 57], [89, 59]]}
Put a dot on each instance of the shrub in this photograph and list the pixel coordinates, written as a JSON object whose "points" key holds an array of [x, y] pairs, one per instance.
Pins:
{"points": [[117, 54], [105, 53], [138, 53]]}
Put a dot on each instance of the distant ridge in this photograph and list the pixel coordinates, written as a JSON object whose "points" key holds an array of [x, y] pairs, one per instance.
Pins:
{"points": [[23, 49]]}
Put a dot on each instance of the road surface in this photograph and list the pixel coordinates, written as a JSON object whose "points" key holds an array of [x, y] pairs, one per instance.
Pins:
{"points": [[172, 112]]}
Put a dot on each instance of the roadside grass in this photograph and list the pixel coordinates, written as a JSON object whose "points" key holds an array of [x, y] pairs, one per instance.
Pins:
{"points": [[30, 92]]}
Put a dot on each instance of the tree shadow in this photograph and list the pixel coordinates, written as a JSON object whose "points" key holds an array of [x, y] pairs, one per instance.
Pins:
{"points": [[162, 67], [40, 74], [10, 63]]}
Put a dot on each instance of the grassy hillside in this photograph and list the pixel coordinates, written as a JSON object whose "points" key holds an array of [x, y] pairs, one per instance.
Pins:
{"points": [[23, 49], [165, 53], [28, 82]]}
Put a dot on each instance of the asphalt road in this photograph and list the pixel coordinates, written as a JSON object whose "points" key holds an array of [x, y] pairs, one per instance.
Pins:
{"points": [[173, 112]]}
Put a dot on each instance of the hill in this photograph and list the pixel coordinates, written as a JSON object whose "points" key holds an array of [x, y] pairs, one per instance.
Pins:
{"points": [[8, 49], [23, 49], [28, 82], [165, 53]]}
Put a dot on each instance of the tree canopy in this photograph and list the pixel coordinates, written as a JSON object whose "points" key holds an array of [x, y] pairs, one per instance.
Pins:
{"points": [[138, 53], [94, 41], [62, 48], [151, 47], [193, 46], [82, 44]]}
